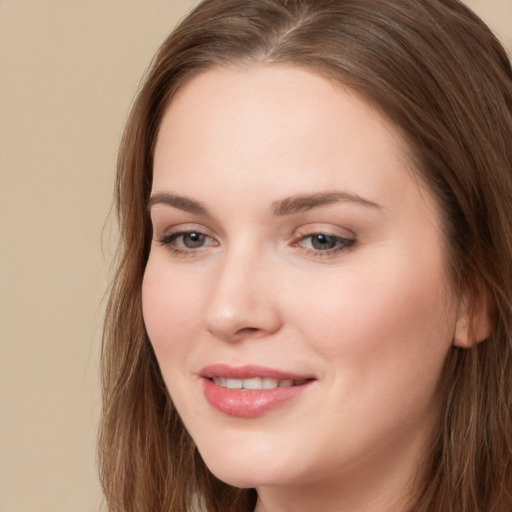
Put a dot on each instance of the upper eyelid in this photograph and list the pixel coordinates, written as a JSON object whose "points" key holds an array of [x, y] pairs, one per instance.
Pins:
{"points": [[171, 243], [326, 233], [164, 224], [321, 228], [350, 241], [183, 232], [186, 227], [300, 232]]}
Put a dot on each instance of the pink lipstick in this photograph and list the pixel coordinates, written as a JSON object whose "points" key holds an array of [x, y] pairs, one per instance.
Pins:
{"points": [[250, 391]]}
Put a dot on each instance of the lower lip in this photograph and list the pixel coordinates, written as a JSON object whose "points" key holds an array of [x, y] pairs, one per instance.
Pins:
{"points": [[249, 403]]}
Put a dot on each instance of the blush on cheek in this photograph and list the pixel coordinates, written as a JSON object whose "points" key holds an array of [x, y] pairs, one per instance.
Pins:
{"points": [[155, 309], [372, 313], [169, 315]]}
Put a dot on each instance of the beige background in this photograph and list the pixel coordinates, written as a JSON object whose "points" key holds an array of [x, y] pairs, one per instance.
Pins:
{"points": [[68, 73]]}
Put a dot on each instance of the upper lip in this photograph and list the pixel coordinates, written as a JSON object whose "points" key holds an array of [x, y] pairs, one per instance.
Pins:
{"points": [[249, 372]]}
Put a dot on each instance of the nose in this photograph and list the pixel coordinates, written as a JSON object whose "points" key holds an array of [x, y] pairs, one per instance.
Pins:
{"points": [[243, 303]]}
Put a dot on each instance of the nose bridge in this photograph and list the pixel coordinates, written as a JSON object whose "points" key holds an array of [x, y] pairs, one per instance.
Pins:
{"points": [[240, 302]]}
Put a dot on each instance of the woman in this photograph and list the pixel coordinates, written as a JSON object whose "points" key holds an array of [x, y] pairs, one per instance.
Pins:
{"points": [[313, 304]]}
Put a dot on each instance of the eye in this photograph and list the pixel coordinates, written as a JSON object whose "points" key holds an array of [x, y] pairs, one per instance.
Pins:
{"points": [[186, 242], [192, 240], [324, 244]]}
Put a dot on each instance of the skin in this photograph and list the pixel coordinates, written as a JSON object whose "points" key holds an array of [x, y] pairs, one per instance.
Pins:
{"points": [[372, 322]]}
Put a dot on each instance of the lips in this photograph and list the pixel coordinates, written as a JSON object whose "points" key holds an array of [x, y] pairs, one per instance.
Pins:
{"points": [[256, 383], [250, 391]]}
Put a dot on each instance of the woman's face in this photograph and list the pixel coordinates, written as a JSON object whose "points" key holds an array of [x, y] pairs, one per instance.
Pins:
{"points": [[295, 256]]}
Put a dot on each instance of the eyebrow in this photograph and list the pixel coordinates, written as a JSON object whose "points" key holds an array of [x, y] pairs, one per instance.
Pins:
{"points": [[182, 203], [287, 206], [301, 203]]}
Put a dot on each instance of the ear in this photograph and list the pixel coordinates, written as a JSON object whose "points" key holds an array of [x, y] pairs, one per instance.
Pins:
{"points": [[474, 318]]}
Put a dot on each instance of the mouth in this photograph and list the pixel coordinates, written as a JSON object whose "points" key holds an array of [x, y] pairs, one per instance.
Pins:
{"points": [[257, 383], [250, 391]]}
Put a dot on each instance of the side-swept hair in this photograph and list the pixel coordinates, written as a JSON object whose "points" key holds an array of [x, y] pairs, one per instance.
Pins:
{"points": [[437, 72]]}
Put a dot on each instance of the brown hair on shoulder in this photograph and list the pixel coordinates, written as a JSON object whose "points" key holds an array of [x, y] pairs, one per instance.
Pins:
{"points": [[436, 71]]}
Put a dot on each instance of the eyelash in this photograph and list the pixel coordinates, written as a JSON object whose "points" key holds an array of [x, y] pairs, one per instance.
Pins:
{"points": [[340, 243], [170, 241]]}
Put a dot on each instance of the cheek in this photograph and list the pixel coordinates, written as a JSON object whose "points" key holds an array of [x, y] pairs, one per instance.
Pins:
{"points": [[385, 337], [170, 309], [370, 320]]}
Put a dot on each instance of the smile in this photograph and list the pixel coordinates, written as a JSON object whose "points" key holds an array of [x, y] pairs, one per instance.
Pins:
{"points": [[257, 383], [251, 391]]}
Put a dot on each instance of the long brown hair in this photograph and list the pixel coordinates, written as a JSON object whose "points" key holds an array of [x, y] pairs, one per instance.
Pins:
{"points": [[436, 71]]}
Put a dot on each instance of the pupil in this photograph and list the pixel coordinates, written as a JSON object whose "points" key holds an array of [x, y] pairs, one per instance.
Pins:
{"points": [[323, 242], [192, 240]]}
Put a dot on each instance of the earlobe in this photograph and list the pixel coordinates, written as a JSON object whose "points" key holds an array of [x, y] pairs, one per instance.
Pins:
{"points": [[474, 319]]}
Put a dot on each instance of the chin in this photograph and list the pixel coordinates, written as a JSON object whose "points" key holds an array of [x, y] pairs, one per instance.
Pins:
{"points": [[241, 479], [248, 470]]}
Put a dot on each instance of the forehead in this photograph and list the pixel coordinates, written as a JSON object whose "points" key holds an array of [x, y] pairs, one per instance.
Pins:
{"points": [[265, 93], [243, 117]]}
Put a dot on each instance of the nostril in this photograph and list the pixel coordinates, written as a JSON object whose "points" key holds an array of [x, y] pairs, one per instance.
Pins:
{"points": [[248, 330], [248, 333]]}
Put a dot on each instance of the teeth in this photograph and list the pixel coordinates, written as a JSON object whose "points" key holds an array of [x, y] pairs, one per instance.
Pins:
{"points": [[270, 383], [234, 383], [254, 383]]}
